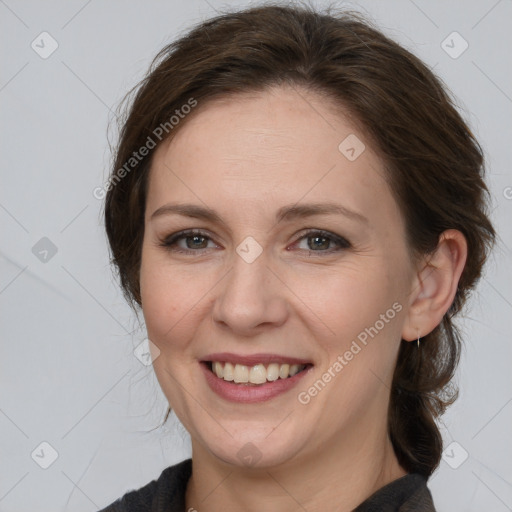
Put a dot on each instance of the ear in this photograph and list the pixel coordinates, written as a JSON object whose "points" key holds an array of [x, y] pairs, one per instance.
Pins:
{"points": [[435, 285]]}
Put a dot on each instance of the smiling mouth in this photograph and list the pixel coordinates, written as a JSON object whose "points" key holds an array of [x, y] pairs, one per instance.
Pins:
{"points": [[254, 375]]}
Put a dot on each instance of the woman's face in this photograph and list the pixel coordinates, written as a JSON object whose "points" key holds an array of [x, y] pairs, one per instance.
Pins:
{"points": [[262, 290]]}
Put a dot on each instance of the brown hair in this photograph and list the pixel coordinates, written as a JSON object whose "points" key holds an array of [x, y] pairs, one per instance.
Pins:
{"points": [[434, 164]]}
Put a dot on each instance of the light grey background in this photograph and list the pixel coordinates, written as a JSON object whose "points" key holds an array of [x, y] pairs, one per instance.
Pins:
{"points": [[68, 375]]}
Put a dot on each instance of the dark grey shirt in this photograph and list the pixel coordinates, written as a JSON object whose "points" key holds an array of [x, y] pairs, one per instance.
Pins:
{"points": [[167, 494]]}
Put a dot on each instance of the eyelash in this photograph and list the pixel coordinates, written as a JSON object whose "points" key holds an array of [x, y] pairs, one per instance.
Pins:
{"points": [[169, 242]]}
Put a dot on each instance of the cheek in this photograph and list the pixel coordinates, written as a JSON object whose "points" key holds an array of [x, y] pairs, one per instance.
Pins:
{"points": [[363, 311], [356, 297], [164, 299], [365, 314], [174, 298]]}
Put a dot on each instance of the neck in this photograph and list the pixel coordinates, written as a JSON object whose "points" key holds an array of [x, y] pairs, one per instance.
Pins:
{"points": [[336, 475]]}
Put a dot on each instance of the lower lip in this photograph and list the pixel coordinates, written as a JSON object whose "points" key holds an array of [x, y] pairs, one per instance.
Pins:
{"points": [[247, 393]]}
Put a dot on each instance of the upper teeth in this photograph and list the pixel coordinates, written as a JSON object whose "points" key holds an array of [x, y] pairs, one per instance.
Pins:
{"points": [[257, 374]]}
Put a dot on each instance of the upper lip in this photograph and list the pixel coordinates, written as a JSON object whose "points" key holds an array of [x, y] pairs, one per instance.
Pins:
{"points": [[253, 359]]}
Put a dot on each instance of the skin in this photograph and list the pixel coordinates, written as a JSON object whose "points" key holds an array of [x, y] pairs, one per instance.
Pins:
{"points": [[245, 157]]}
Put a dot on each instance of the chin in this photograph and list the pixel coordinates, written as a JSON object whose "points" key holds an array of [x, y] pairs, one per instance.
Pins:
{"points": [[261, 448]]}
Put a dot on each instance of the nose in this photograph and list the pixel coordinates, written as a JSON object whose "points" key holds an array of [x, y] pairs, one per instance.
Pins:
{"points": [[250, 297]]}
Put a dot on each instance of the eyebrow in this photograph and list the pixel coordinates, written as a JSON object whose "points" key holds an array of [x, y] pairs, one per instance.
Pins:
{"points": [[288, 212]]}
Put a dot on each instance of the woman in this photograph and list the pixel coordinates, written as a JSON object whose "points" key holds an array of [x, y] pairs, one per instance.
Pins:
{"points": [[299, 211]]}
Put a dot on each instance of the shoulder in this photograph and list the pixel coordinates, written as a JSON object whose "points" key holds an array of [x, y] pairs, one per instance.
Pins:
{"points": [[166, 493], [406, 494]]}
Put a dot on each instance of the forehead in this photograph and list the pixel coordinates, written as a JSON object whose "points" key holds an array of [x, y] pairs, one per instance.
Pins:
{"points": [[266, 149]]}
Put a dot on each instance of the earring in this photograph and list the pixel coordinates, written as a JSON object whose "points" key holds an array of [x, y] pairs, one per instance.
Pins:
{"points": [[418, 341]]}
